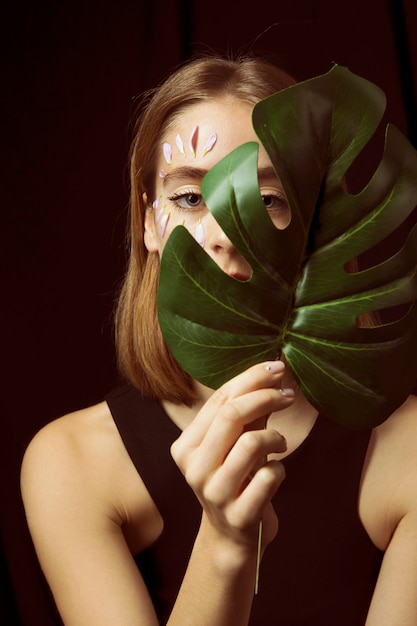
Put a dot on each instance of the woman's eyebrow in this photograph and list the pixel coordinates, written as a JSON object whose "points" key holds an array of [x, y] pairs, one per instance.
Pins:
{"points": [[186, 172], [267, 173], [183, 173]]}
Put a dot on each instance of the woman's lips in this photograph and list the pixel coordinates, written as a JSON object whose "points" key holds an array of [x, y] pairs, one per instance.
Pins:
{"points": [[240, 276]]}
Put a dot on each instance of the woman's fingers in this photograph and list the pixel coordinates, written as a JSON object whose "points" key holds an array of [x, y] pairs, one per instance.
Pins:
{"points": [[230, 421], [239, 402], [224, 457], [247, 455], [246, 510]]}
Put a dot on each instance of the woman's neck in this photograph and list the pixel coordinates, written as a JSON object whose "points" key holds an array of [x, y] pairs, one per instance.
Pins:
{"points": [[294, 422]]}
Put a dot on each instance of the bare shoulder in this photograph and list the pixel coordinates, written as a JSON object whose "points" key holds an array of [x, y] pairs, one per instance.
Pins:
{"points": [[80, 446], [389, 485], [75, 436], [394, 442], [79, 463], [88, 511]]}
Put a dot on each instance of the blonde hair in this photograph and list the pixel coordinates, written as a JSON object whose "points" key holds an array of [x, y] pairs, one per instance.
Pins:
{"points": [[143, 356]]}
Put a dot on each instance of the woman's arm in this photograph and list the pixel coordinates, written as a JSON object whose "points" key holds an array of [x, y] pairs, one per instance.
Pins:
{"points": [[81, 492], [389, 506], [225, 464], [79, 487], [395, 598]]}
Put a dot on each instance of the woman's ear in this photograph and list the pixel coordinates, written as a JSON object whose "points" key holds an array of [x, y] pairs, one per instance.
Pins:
{"points": [[150, 237]]}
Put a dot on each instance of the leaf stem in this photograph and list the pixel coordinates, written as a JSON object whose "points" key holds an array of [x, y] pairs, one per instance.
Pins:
{"points": [[260, 529], [258, 558]]}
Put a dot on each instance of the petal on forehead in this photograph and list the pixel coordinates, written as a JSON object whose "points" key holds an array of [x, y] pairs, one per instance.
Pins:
{"points": [[167, 149], [210, 143], [193, 140], [180, 143]]}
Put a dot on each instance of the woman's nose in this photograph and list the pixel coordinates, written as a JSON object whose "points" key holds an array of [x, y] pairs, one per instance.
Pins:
{"points": [[223, 252], [216, 240]]}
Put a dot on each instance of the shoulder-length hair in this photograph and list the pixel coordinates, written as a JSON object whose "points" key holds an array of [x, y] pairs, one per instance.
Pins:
{"points": [[143, 356]]}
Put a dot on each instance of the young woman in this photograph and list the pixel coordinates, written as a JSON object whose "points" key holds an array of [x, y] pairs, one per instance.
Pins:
{"points": [[145, 509]]}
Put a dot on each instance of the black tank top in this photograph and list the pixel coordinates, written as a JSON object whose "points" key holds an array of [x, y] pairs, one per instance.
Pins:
{"points": [[320, 570]]}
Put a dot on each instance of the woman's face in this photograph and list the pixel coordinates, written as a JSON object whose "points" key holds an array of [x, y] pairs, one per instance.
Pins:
{"points": [[199, 138]]}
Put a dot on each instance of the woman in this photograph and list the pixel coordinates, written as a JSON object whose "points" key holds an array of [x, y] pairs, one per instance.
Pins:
{"points": [[121, 536]]}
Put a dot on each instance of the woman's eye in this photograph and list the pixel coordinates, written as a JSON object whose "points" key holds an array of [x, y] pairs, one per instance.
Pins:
{"points": [[189, 200], [274, 202], [278, 209]]}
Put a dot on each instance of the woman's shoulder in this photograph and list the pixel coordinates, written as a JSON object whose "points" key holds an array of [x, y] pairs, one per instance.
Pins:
{"points": [[389, 485], [396, 437], [78, 440], [79, 460]]}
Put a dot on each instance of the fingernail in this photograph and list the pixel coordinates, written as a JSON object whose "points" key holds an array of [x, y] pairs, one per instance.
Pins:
{"points": [[288, 393], [274, 367]]}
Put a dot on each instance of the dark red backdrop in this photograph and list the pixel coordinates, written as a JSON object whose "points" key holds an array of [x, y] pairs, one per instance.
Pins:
{"points": [[71, 73]]}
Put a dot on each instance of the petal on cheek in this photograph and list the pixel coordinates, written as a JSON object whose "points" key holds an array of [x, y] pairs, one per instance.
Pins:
{"points": [[199, 233], [164, 224], [159, 215]]}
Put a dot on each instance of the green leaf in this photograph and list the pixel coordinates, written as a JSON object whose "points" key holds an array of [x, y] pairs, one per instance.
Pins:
{"points": [[300, 301]]}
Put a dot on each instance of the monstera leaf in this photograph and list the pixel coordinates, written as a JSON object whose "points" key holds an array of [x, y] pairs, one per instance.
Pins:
{"points": [[300, 300]]}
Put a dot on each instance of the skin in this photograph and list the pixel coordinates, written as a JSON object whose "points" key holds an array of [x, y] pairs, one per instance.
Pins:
{"points": [[178, 191], [88, 509]]}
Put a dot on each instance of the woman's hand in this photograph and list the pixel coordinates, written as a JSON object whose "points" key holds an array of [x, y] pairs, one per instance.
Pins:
{"points": [[223, 456]]}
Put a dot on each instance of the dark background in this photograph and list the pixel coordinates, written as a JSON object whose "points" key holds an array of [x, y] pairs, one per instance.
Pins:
{"points": [[71, 73]]}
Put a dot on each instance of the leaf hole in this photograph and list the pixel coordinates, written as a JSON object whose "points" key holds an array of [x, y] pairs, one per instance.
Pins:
{"points": [[366, 162], [383, 250], [390, 245], [369, 319], [274, 198], [389, 315]]}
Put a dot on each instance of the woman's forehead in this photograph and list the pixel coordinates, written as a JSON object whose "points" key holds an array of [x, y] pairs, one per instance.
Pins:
{"points": [[205, 132]]}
